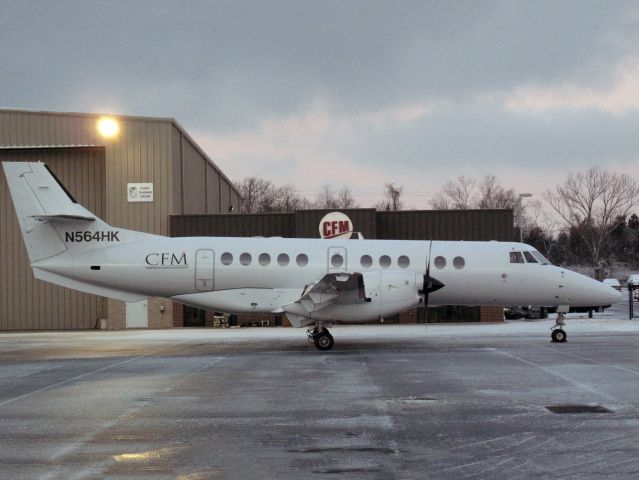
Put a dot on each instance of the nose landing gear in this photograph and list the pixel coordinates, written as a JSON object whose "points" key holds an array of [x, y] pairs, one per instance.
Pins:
{"points": [[558, 334], [321, 337]]}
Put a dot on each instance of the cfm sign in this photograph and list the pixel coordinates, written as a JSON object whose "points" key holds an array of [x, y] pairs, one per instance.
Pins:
{"points": [[335, 225]]}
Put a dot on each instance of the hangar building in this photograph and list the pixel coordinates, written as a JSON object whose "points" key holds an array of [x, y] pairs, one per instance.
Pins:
{"points": [[133, 172]]}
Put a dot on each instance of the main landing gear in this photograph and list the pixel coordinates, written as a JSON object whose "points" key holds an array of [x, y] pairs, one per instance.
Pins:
{"points": [[321, 337], [558, 334]]}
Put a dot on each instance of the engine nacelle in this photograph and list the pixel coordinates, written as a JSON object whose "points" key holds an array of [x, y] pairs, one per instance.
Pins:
{"points": [[388, 293], [399, 291]]}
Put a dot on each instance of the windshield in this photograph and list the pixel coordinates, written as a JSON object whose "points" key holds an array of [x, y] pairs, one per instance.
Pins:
{"points": [[540, 258]]}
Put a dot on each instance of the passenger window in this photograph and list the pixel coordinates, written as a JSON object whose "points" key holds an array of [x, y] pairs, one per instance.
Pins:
{"points": [[227, 258], [440, 262], [366, 261], [282, 259], [384, 261], [302, 260], [245, 259], [264, 259], [516, 257], [403, 261], [459, 263], [530, 258], [337, 260]]}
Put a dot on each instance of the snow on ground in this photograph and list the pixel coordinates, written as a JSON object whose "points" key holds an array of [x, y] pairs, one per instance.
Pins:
{"points": [[575, 324]]}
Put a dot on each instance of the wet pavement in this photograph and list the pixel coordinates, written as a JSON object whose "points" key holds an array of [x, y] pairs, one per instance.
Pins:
{"points": [[389, 402]]}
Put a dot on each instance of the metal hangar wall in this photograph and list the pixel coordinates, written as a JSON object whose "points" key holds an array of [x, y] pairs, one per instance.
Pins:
{"points": [[97, 165]]}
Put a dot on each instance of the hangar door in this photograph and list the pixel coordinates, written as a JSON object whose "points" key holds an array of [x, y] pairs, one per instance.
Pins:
{"points": [[27, 303]]}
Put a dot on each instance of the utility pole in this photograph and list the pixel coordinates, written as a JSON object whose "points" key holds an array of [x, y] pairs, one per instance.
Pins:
{"points": [[519, 213]]}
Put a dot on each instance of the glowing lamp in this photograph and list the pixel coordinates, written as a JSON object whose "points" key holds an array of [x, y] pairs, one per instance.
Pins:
{"points": [[108, 127]]}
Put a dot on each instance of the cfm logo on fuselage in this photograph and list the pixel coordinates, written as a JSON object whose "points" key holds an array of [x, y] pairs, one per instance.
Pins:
{"points": [[166, 260]]}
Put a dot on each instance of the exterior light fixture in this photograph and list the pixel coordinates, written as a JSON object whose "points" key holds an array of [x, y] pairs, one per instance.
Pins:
{"points": [[108, 127]]}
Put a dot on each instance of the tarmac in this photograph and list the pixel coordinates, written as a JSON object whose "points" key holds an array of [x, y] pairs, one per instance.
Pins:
{"points": [[436, 401]]}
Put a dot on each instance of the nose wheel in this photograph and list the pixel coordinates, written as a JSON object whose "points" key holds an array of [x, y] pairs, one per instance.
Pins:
{"points": [[321, 337], [558, 334]]}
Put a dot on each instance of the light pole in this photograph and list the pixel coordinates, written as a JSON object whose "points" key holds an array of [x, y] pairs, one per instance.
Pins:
{"points": [[519, 213]]}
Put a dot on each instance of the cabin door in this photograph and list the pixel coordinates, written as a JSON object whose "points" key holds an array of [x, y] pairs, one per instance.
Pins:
{"points": [[204, 274]]}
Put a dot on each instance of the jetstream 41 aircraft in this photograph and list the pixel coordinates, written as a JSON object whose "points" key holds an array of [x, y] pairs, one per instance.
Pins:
{"points": [[314, 282]]}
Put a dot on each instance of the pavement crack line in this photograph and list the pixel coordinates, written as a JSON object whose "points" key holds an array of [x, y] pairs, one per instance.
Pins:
{"points": [[86, 374]]}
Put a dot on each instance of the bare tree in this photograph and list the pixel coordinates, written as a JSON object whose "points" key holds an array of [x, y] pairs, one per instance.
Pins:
{"points": [[536, 221], [493, 195], [288, 200], [591, 203], [392, 198], [257, 194], [260, 195], [329, 198], [455, 195]]}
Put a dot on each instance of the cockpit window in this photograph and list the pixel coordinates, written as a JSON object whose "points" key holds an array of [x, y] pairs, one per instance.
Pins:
{"points": [[543, 260], [516, 257], [530, 258]]}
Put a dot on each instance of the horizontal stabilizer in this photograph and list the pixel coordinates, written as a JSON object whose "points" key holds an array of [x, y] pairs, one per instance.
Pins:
{"points": [[62, 218]]}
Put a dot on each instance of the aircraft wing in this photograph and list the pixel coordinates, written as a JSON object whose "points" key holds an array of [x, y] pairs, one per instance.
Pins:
{"points": [[332, 289]]}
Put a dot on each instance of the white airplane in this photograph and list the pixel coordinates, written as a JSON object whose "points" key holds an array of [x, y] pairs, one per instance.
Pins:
{"points": [[314, 282]]}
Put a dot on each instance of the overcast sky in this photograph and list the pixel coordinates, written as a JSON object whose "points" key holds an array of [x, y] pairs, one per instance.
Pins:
{"points": [[356, 93]]}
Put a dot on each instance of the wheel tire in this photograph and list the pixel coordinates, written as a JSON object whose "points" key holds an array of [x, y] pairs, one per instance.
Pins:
{"points": [[323, 341], [558, 335]]}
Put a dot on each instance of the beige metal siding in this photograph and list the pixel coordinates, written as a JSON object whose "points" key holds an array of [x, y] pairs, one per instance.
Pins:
{"points": [[225, 197], [212, 190], [193, 179], [235, 201], [177, 208], [141, 153], [30, 304]]}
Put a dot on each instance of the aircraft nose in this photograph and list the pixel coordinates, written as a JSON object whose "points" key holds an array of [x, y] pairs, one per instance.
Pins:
{"points": [[589, 292], [605, 295]]}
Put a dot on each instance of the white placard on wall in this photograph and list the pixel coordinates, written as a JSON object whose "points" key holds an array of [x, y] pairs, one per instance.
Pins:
{"points": [[139, 192]]}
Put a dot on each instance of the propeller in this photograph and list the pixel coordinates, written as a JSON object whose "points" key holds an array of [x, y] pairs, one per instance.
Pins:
{"points": [[430, 285]]}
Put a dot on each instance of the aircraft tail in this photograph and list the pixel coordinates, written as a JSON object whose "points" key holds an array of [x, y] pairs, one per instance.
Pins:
{"points": [[51, 221]]}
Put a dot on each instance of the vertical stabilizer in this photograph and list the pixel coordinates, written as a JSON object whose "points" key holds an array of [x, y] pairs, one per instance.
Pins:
{"points": [[51, 221]]}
